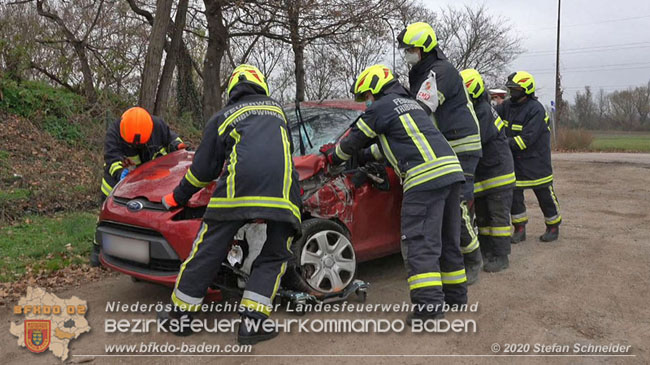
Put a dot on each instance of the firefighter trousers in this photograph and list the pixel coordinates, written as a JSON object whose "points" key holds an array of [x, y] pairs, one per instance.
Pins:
{"points": [[430, 236], [547, 202], [210, 249], [469, 242], [493, 221]]}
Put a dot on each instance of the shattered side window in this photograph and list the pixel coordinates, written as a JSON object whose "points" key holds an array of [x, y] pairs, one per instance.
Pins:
{"points": [[321, 126]]}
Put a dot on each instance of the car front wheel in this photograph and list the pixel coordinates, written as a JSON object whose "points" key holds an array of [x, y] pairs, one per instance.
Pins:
{"points": [[324, 260]]}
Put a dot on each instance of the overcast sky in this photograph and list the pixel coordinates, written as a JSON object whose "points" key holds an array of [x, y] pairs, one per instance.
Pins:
{"points": [[603, 43]]}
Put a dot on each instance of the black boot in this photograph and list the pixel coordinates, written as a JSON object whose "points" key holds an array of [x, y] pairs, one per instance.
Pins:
{"points": [[252, 330], [519, 235], [423, 317], [177, 317], [497, 263], [94, 256], [473, 263], [552, 233]]}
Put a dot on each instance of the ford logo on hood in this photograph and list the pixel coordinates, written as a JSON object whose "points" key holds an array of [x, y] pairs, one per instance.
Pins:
{"points": [[134, 205]]}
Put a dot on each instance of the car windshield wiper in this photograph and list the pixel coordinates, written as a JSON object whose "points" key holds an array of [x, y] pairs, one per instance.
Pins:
{"points": [[301, 123]]}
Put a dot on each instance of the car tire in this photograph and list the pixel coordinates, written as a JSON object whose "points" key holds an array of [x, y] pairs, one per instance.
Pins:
{"points": [[324, 261]]}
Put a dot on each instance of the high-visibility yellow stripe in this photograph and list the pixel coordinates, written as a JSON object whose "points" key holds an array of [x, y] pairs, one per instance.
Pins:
{"points": [[286, 182], [519, 218], [106, 187], [557, 204], [161, 152], [115, 166], [189, 176], [553, 220], [389, 154], [500, 231], [424, 280], [417, 137], [255, 201], [195, 248], [470, 106], [423, 276], [499, 124], [376, 153], [256, 307], [473, 244], [520, 142], [443, 166], [494, 182], [365, 128], [135, 159], [466, 144], [484, 231], [516, 127], [230, 181], [506, 123], [183, 305], [342, 155], [283, 269], [530, 183], [454, 277], [426, 166], [235, 115]]}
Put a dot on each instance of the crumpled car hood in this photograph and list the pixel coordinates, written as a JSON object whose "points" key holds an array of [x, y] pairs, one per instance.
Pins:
{"points": [[159, 177]]}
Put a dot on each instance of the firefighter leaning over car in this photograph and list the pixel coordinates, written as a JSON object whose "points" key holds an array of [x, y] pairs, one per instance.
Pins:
{"points": [[494, 179], [528, 134], [437, 84], [431, 175], [136, 138], [259, 181]]}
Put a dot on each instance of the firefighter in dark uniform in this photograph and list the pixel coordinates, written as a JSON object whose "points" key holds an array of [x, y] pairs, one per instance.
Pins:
{"points": [[529, 137], [431, 178], [137, 137], [259, 181], [437, 83], [494, 179]]}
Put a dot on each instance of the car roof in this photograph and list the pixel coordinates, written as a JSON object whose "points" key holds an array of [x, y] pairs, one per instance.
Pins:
{"points": [[348, 104]]}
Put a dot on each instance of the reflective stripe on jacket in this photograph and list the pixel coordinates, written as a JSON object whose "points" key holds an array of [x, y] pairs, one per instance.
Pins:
{"points": [[495, 170], [246, 147], [529, 138], [410, 142], [455, 116]]}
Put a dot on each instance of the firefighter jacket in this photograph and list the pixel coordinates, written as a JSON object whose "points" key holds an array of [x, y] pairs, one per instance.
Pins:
{"points": [[529, 138], [118, 154], [495, 170], [409, 141], [455, 116], [246, 147]]}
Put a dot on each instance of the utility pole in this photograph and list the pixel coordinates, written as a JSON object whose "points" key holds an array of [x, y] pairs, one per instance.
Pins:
{"points": [[558, 103]]}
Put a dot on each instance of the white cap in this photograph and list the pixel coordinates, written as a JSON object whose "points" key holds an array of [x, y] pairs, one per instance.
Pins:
{"points": [[498, 91]]}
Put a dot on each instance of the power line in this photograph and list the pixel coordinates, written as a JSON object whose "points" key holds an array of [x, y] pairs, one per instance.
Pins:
{"points": [[599, 22], [631, 45], [619, 66]]}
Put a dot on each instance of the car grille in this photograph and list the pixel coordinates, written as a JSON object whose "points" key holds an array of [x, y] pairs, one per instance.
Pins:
{"points": [[147, 204], [163, 260]]}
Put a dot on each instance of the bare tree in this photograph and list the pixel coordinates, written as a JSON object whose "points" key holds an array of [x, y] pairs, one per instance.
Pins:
{"points": [[473, 38], [151, 71], [299, 23], [641, 98], [584, 108], [78, 43]]}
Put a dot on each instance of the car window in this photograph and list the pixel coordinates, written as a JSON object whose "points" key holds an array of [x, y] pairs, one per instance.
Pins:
{"points": [[321, 126]]}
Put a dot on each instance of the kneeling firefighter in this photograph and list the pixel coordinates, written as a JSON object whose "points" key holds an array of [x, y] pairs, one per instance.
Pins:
{"points": [[494, 179], [431, 175], [259, 181], [437, 84]]}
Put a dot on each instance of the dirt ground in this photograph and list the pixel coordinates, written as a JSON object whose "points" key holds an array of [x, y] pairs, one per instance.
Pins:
{"points": [[590, 287]]}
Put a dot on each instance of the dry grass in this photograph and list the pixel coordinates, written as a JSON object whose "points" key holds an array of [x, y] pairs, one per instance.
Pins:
{"points": [[573, 139]]}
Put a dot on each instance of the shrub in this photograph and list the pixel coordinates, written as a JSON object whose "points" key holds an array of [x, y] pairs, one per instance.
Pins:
{"points": [[573, 139]]}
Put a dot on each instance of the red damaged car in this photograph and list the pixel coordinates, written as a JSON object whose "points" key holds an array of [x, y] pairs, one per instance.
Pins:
{"points": [[348, 216]]}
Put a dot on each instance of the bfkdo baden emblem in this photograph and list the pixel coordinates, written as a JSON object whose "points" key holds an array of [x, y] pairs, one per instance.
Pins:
{"points": [[37, 334]]}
